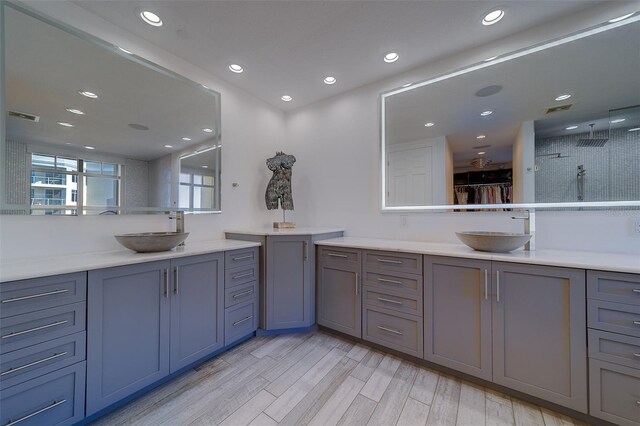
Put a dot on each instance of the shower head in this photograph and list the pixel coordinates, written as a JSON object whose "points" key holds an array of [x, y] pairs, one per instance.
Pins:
{"points": [[592, 142]]}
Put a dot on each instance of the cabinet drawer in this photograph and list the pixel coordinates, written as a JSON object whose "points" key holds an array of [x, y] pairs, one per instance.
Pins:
{"points": [[244, 257], [397, 281], [343, 256], [614, 392], [239, 321], [240, 293], [392, 261], [395, 330], [241, 275], [53, 399], [614, 317], [394, 300], [20, 297], [33, 361], [25, 330], [614, 287], [615, 348]]}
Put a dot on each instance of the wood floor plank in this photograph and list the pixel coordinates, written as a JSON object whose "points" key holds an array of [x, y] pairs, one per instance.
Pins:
{"points": [[472, 406], [263, 420], [498, 414], [414, 413], [551, 418], [444, 409], [359, 412], [273, 345], [335, 407], [424, 387], [358, 352], [525, 414], [285, 403], [301, 351], [250, 410], [381, 377], [368, 365], [318, 371], [392, 401]]}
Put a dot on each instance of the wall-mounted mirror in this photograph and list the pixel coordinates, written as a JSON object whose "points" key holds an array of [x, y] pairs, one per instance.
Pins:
{"points": [[556, 123], [94, 129]]}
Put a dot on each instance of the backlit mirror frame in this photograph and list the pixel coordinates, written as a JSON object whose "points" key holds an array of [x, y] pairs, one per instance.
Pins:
{"points": [[465, 70]]}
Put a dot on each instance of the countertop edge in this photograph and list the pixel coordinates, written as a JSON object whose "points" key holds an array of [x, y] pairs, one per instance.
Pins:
{"points": [[283, 231]]}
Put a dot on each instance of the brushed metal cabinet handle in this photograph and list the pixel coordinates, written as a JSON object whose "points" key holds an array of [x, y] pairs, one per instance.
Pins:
{"points": [[486, 285], [166, 282], [248, 256], [384, 280], [636, 290], [636, 322], [33, 296], [31, 330], [357, 284], [342, 256], [382, 299], [176, 280], [637, 354], [35, 413], [242, 320], [497, 286], [244, 293], [390, 330], [237, 277], [305, 251], [394, 262], [31, 364]]}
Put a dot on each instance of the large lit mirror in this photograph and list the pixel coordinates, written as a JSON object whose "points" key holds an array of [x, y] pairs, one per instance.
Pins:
{"points": [[94, 129], [553, 124]]}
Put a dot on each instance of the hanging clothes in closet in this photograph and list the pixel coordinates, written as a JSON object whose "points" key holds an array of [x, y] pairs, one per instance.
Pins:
{"points": [[500, 193]]}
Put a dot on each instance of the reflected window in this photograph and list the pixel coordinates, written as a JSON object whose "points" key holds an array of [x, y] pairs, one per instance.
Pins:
{"points": [[196, 192]]}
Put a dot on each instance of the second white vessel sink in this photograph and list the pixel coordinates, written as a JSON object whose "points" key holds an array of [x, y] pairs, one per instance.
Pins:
{"points": [[497, 242], [148, 242]]}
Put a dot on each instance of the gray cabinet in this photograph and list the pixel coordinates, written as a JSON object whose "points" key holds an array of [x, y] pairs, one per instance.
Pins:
{"points": [[339, 289], [241, 294]]}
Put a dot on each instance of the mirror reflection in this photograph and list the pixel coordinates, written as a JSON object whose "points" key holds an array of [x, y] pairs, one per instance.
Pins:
{"points": [[94, 129], [555, 125]]}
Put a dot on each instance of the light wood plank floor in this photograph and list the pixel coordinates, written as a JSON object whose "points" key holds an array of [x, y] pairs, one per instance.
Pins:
{"points": [[320, 379]]}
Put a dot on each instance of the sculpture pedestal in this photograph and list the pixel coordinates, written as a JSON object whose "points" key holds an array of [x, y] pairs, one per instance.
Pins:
{"points": [[283, 225]]}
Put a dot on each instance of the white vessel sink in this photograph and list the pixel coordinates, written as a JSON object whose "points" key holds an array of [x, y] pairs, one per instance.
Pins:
{"points": [[497, 242], [147, 242]]}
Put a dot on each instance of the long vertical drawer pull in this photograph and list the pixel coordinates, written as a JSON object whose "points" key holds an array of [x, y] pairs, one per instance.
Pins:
{"points": [[390, 330], [356, 283], [33, 296], [237, 277], [305, 253], [248, 256], [243, 320], [35, 413], [342, 256], [382, 299], [395, 262], [244, 293], [384, 280], [176, 280], [486, 285], [31, 330], [166, 283], [31, 364], [497, 286]]}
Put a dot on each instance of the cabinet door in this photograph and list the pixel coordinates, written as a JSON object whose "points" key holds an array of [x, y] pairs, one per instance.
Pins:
{"points": [[289, 294], [457, 314], [197, 308], [127, 331], [339, 306], [539, 332]]}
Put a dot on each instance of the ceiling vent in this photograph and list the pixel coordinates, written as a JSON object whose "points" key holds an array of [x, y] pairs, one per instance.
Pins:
{"points": [[24, 116], [558, 108], [481, 146], [480, 162]]}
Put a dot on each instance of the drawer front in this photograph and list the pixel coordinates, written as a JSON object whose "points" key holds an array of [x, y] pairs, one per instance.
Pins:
{"points": [[394, 300], [240, 293], [240, 321], [20, 297], [341, 256], [395, 330], [392, 261], [397, 281], [244, 257], [614, 287], [28, 363], [241, 275], [614, 317], [615, 348], [614, 393], [53, 399], [24, 330]]}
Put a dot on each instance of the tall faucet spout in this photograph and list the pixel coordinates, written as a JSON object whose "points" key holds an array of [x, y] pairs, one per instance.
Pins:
{"points": [[179, 218], [529, 228]]}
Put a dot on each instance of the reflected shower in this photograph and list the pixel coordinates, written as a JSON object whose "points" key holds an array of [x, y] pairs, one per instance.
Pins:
{"points": [[580, 181]]}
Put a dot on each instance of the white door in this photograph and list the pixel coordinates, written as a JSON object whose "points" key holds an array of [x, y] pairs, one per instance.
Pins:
{"points": [[409, 177]]}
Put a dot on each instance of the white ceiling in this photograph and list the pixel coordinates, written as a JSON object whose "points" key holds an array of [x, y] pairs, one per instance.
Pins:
{"points": [[288, 47]]}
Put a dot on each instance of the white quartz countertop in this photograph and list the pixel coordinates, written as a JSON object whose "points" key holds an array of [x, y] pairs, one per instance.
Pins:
{"points": [[570, 259], [19, 269], [284, 231]]}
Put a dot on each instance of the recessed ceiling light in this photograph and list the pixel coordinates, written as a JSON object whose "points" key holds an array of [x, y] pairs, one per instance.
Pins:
{"points": [[407, 85], [493, 17], [481, 153], [125, 50], [429, 124], [207, 130], [65, 124], [151, 18], [635, 129], [329, 80], [620, 18], [88, 94], [618, 120], [67, 143], [89, 147], [236, 68], [480, 137], [205, 167], [168, 146], [563, 97], [205, 86], [186, 139], [75, 111], [571, 127], [491, 58], [391, 57], [286, 98], [485, 113]]}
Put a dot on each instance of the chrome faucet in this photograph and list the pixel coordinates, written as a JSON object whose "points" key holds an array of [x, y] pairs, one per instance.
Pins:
{"points": [[529, 228], [179, 217]]}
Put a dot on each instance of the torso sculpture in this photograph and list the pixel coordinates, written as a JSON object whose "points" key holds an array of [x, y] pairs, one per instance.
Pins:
{"points": [[279, 187]]}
